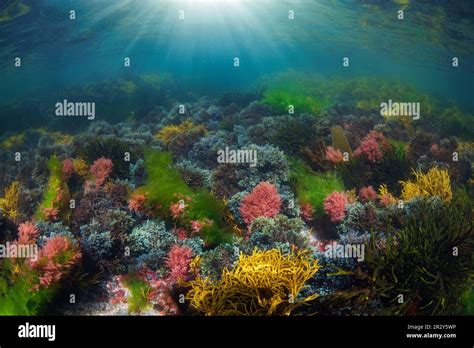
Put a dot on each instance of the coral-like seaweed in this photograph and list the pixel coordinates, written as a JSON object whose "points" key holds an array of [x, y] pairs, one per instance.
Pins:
{"points": [[56, 258], [269, 233], [27, 233], [151, 242], [96, 243], [177, 261], [100, 170], [335, 206], [136, 203], [373, 147], [367, 194], [264, 200], [333, 155]]}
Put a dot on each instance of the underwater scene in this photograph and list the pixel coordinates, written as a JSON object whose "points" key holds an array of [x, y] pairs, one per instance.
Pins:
{"points": [[222, 158]]}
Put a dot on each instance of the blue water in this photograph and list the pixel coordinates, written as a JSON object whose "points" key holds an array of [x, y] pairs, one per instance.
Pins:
{"points": [[199, 50]]}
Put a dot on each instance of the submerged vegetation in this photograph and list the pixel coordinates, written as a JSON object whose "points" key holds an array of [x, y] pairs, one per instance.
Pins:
{"points": [[55, 196], [169, 197], [9, 204], [150, 211], [263, 283], [311, 188], [434, 183], [333, 189], [11, 9], [283, 100], [429, 278]]}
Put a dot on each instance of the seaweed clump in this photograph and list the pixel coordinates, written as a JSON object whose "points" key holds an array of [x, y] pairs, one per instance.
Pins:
{"points": [[9, 203], [180, 138], [27, 286], [168, 196], [312, 187], [56, 195], [434, 183], [414, 276], [263, 283]]}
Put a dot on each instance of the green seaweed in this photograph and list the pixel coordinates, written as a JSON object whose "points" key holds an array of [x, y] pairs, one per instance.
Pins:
{"points": [[13, 141], [138, 300], [429, 260], [205, 205], [54, 185], [353, 173], [165, 186], [365, 93], [163, 181], [454, 122], [17, 297], [467, 301], [312, 187], [281, 99], [400, 148]]}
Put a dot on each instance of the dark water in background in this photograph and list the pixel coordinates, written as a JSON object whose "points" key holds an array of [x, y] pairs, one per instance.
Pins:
{"points": [[198, 51]]}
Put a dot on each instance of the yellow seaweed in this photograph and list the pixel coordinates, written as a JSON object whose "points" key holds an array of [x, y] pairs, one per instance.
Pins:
{"points": [[263, 283], [9, 203], [434, 183]]}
